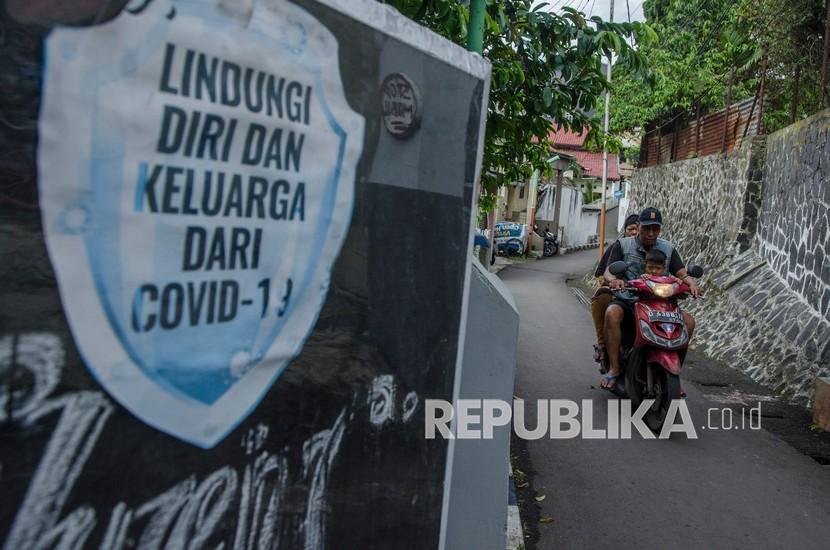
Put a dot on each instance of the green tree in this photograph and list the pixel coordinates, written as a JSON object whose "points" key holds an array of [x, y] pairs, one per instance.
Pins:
{"points": [[791, 32], [704, 45], [690, 62], [547, 70]]}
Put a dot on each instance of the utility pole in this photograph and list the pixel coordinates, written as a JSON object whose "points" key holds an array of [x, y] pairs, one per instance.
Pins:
{"points": [[475, 36], [475, 43], [605, 152]]}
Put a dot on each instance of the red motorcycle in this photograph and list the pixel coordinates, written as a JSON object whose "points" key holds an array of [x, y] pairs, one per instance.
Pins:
{"points": [[654, 348]]}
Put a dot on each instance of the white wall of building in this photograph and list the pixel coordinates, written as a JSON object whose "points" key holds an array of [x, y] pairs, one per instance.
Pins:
{"points": [[576, 226], [624, 205]]}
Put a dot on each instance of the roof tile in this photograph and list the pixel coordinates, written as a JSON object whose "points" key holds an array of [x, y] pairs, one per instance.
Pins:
{"points": [[592, 163]]}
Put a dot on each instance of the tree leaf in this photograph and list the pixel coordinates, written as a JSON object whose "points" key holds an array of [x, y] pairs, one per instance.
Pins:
{"points": [[547, 96], [545, 519]]}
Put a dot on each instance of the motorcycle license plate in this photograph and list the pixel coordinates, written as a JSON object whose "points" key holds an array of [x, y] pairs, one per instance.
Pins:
{"points": [[664, 317]]}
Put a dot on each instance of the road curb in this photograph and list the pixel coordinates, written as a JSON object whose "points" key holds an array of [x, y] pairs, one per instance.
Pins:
{"points": [[569, 249], [515, 534]]}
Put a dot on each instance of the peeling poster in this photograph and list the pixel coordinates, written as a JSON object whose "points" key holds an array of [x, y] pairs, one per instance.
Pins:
{"points": [[197, 176]]}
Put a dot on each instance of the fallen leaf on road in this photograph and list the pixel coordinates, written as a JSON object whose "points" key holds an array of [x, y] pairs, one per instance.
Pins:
{"points": [[522, 485], [540, 498], [546, 519]]}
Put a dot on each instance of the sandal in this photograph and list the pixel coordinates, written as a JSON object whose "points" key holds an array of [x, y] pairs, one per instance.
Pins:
{"points": [[607, 379]]}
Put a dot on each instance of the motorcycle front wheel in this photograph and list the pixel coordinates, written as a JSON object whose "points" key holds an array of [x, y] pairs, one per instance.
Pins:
{"points": [[665, 387]]}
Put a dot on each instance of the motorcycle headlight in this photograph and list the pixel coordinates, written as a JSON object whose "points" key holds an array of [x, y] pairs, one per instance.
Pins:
{"points": [[663, 290]]}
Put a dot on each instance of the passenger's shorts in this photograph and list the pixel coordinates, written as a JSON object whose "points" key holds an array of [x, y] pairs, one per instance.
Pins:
{"points": [[627, 307], [627, 326]]}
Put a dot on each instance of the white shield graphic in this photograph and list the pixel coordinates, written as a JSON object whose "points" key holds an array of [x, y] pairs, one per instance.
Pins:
{"points": [[196, 173]]}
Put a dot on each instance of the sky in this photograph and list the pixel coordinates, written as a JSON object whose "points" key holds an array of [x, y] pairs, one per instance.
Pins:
{"points": [[601, 8]]}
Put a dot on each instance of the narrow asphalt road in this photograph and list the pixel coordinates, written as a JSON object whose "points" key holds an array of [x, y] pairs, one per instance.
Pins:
{"points": [[739, 489]]}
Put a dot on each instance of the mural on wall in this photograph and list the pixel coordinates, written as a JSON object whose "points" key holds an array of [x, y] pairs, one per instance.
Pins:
{"points": [[208, 338]]}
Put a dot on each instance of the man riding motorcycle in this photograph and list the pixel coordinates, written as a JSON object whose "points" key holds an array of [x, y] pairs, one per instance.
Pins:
{"points": [[602, 296], [632, 251]]}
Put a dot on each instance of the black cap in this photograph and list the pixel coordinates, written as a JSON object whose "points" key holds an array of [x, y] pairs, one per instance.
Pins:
{"points": [[651, 216]]}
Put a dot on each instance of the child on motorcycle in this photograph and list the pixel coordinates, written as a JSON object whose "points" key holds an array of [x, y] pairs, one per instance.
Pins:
{"points": [[656, 265]]}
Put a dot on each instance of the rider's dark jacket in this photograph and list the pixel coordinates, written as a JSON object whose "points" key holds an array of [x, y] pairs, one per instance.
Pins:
{"points": [[634, 255]]}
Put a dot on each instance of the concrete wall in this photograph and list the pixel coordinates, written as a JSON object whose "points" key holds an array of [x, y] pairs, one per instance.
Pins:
{"points": [[624, 206], [757, 220], [576, 225], [515, 208], [477, 494], [612, 214]]}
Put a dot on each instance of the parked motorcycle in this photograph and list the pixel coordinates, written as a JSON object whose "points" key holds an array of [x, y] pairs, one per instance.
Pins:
{"points": [[550, 242], [651, 357], [551, 246]]}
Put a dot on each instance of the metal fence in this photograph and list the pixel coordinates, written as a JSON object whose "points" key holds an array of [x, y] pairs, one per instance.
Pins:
{"points": [[707, 134]]}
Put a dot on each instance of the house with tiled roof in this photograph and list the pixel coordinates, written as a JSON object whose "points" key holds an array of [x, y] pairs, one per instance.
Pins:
{"points": [[573, 144], [575, 216], [587, 176]]}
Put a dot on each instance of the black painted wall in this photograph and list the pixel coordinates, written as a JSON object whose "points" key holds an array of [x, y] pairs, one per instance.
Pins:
{"points": [[334, 456]]}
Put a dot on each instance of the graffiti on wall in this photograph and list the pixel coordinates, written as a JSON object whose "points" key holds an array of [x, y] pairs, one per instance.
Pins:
{"points": [[194, 512]]}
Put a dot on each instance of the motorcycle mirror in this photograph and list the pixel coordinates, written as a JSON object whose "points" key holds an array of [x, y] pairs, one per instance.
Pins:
{"points": [[695, 271], [618, 268]]}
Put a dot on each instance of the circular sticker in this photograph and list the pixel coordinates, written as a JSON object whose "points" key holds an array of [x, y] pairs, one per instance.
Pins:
{"points": [[401, 105]]}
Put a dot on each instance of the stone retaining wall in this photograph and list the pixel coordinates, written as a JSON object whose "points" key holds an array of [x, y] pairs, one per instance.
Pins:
{"points": [[795, 212], [754, 322], [757, 220], [708, 204]]}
